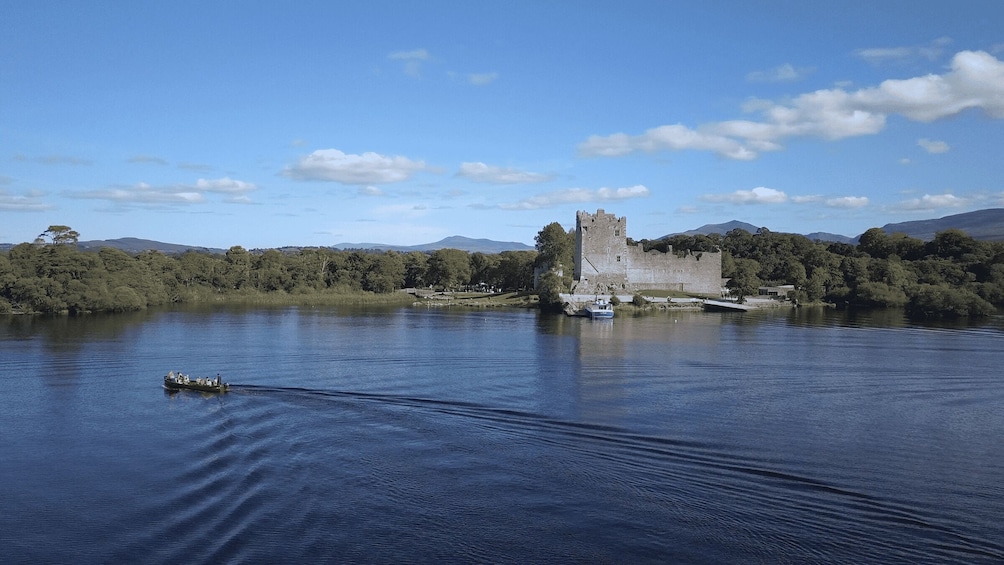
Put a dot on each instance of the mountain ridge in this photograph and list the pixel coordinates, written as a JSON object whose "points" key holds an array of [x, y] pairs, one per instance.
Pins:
{"points": [[985, 225], [460, 242]]}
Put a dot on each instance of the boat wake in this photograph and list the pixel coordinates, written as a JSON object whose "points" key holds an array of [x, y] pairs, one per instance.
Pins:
{"points": [[761, 501]]}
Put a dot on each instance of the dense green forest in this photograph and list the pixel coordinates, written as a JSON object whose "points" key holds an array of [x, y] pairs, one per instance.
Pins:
{"points": [[953, 275]]}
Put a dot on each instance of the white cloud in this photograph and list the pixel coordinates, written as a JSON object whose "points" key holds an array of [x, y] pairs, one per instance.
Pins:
{"points": [[480, 172], [758, 195], [905, 161], [932, 146], [975, 81], [225, 185], [412, 60], [847, 202], [145, 194], [783, 73], [932, 202], [28, 202], [142, 193], [575, 195], [673, 137], [368, 168], [481, 79], [370, 191]]}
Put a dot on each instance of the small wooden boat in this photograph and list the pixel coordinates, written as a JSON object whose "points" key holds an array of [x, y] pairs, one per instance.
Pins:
{"points": [[179, 381]]}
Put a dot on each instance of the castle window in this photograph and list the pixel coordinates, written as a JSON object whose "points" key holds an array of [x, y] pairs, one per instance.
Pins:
{"points": [[618, 258], [617, 232]]}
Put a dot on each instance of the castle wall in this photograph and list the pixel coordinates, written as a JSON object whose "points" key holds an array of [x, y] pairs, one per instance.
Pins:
{"points": [[604, 262]]}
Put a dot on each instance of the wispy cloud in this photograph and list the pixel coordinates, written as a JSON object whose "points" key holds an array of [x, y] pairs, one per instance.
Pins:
{"points": [[481, 79], [975, 81], [480, 172], [30, 201], [930, 52], [932, 146], [577, 195], [142, 193], [147, 159], [412, 60], [783, 73], [198, 167], [808, 198], [368, 168], [758, 195], [53, 160]]}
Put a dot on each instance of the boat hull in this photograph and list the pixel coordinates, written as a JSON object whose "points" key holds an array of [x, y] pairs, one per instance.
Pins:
{"points": [[599, 314], [172, 384]]}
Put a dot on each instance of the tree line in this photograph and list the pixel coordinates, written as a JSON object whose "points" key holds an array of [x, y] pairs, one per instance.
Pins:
{"points": [[953, 275], [52, 275]]}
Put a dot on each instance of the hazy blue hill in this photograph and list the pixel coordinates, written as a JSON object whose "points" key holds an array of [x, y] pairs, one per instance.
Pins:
{"points": [[452, 242], [136, 245], [987, 225], [828, 237], [718, 228]]}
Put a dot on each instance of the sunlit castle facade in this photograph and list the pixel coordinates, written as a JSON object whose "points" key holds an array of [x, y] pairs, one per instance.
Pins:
{"points": [[606, 263]]}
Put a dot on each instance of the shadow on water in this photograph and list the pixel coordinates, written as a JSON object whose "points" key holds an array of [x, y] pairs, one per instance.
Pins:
{"points": [[61, 333]]}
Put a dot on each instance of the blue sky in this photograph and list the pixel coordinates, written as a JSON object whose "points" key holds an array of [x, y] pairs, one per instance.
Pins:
{"points": [[266, 124]]}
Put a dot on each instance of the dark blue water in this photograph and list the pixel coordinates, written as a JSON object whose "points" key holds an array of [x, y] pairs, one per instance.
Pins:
{"points": [[414, 435]]}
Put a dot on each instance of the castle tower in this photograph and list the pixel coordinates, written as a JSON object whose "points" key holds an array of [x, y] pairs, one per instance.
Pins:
{"points": [[601, 253]]}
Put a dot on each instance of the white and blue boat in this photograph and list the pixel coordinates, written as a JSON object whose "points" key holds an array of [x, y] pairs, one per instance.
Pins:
{"points": [[601, 308]]}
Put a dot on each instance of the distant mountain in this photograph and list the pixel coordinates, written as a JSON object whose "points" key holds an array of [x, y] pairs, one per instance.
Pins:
{"points": [[135, 245], [986, 225], [719, 228], [831, 237], [453, 242], [736, 224]]}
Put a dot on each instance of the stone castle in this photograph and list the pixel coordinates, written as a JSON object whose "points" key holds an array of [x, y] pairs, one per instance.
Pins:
{"points": [[606, 263]]}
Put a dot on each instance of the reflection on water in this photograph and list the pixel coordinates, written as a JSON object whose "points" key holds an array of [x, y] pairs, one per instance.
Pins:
{"points": [[501, 436]]}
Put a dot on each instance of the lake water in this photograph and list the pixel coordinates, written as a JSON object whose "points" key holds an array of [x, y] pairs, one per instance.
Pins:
{"points": [[439, 435]]}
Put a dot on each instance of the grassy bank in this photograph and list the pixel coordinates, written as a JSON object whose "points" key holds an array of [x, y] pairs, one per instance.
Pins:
{"points": [[279, 298]]}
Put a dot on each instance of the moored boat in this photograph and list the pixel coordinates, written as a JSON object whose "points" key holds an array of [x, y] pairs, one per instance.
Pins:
{"points": [[601, 308], [180, 381]]}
